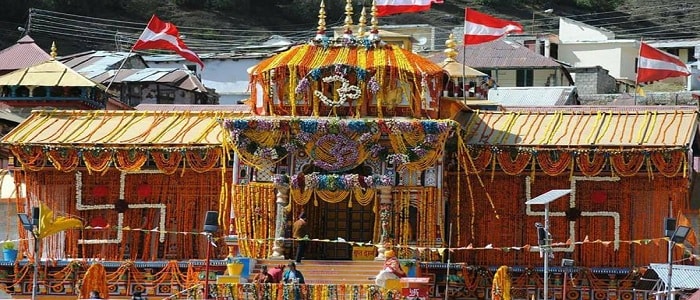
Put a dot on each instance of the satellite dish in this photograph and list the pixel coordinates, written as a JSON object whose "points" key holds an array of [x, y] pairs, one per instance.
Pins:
{"points": [[422, 40]]}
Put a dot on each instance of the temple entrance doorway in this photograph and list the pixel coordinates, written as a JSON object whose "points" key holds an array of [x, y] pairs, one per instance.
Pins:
{"points": [[332, 221]]}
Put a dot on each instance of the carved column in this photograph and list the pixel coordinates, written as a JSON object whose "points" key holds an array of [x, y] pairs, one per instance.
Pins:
{"points": [[385, 211], [281, 219]]}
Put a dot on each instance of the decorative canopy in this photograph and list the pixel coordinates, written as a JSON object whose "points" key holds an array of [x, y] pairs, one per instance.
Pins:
{"points": [[49, 73], [365, 65]]}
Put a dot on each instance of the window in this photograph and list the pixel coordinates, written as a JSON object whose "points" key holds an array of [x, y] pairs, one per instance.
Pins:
{"points": [[524, 77]]}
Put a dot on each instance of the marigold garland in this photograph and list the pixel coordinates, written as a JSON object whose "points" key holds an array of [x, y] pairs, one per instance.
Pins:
{"points": [[64, 159], [32, 158], [627, 164], [513, 166], [480, 158], [167, 162], [549, 165], [590, 163], [97, 160], [129, 160], [668, 163]]}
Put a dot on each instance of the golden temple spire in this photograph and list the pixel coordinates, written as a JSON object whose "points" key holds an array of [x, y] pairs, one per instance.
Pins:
{"points": [[348, 17], [53, 50], [450, 48], [321, 29], [375, 21], [362, 22]]}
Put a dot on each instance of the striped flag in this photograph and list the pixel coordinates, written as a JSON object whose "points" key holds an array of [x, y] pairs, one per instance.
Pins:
{"points": [[481, 28], [654, 64], [392, 7]]}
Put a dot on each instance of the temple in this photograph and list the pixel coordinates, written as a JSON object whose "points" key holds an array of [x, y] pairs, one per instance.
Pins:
{"points": [[361, 137]]}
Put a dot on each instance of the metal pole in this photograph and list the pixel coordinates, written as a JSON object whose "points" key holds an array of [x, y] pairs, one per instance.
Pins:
{"points": [[669, 295], [447, 275], [206, 268], [37, 259], [546, 251]]}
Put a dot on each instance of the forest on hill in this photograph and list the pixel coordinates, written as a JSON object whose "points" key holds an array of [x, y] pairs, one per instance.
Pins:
{"points": [[79, 25]]}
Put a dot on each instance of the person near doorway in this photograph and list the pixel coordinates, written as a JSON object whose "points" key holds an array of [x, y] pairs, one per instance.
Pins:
{"points": [[276, 273], [263, 276], [138, 295], [95, 295], [391, 270], [293, 275], [301, 233]]}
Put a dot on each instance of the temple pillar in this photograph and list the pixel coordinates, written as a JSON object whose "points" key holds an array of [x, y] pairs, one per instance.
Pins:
{"points": [[281, 219], [385, 211]]}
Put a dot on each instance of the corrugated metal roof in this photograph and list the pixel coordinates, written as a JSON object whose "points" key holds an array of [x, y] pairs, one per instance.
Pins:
{"points": [[606, 127], [115, 127], [24, 54], [48, 73], [532, 96], [499, 54], [684, 277]]}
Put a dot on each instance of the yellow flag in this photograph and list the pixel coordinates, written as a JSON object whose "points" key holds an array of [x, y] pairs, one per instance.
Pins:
{"points": [[640, 92], [49, 226]]}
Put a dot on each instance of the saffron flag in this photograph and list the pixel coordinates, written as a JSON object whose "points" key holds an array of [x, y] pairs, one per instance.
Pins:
{"points": [[165, 36], [683, 221], [392, 7], [654, 64], [481, 28]]}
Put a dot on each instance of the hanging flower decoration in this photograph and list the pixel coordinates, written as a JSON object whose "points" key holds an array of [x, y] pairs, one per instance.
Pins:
{"points": [[144, 190], [100, 191], [332, 182]]}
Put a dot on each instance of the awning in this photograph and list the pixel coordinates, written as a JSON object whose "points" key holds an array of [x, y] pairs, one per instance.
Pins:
{"points": [[49, 73], [8, 189], [121, 128], [683, 276], [578, 127]]}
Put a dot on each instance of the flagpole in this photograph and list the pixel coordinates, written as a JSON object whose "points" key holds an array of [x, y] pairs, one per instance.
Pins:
{"points": [[636, 76], [464, 57], [111, 80]]}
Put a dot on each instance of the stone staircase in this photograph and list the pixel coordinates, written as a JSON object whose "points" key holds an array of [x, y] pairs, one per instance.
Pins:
{"points": [[332, 271]]}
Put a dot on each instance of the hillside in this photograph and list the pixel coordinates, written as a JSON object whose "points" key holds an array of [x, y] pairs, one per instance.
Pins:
{"points": [[220, 25]]}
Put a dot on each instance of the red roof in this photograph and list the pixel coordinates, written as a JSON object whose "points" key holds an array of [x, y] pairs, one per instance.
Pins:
{"points": [[24, 54], [499, 54]]}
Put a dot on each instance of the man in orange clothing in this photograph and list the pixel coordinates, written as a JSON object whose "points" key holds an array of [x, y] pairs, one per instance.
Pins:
{"points": [[301, 233]]}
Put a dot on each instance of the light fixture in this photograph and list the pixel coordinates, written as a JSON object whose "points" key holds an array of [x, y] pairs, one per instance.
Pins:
{"points": [[678, 236], [211, 226], [32, 225]]}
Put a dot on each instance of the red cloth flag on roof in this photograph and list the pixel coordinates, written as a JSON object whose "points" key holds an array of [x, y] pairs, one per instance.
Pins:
{"points": [[392, 7], [165, 36], [654, 64], [481, 28]]}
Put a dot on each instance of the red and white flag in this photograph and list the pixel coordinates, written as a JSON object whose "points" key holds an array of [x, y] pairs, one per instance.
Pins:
{"points": [[392, 7], [654, 64], [165, 36], [481, 28]]}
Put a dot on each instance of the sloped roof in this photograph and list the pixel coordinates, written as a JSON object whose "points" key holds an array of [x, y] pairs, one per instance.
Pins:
{"points": [[603, 127], [118, 128], [24, 53], [532, 96], [458, 70], [499, 54], [179, 78], [684, 277], [48, 73]]}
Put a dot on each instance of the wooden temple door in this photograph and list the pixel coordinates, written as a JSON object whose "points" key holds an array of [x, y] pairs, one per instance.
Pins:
{"points": [[337, 220]]}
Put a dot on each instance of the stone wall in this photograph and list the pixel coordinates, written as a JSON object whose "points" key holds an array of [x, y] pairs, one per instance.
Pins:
{"points": [[593, 80], [676, 98]]}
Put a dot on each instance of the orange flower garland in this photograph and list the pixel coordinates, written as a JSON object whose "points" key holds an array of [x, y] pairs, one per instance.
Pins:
{"points": [[31, 157], [97, 160], [513, 166], [550, 166], [627, 164], [668, 163], [203, 160], [64, 159], [480, 159], [129, 160], [588, 166], [168, 162]]}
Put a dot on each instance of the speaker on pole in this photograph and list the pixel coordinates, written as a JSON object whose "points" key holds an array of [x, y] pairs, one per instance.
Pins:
{"points": [[35, 215], [669, 226], [211, 222]]}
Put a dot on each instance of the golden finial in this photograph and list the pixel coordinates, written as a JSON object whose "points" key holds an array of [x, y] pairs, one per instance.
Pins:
{"points": [[321, 29], [348, 16], [375, 21], [450, 47], [53, 50], [362, 22]]}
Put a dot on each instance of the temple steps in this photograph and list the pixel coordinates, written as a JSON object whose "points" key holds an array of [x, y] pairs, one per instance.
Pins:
{"points": [[333, 271]]}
